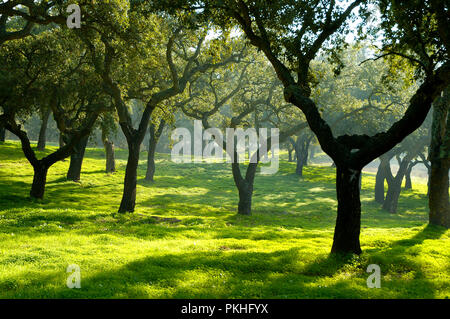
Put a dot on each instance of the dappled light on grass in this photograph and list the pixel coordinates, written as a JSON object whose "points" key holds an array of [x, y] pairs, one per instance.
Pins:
{"points": [[186, 241]]}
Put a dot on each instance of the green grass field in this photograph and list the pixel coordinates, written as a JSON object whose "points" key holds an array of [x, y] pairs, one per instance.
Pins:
{"points": [[186, 241]]}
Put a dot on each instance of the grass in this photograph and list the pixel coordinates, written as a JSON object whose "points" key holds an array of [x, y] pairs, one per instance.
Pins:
{"points": [[186, 241]]}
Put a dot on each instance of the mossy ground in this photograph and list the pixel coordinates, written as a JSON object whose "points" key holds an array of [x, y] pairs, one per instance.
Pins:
{"points": [[186, 241]]}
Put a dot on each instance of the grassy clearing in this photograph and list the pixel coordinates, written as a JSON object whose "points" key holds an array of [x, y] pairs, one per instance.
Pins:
{"points": [[186, 241]]}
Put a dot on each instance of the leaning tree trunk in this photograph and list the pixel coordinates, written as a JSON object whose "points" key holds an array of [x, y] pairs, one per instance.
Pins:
{"points": [[439, 156], [128, 202], [348, 221], [76, 160], [43, 130]]}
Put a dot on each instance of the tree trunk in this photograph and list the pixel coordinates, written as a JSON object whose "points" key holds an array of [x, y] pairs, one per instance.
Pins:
{"points": [[76, 160], [392, 196], [439, 197], [39, 180], [305, 151], [312, 153], [290, 155], [152, 142], [380, 178], [395, 187], [2, 134], [244, 185], [245, 198], [302, 151], [348, 221], [408, 183], [42, 132], [151, 167], [61, 140], [439, 155], [109, 151], [299, 167], [128, 202], [110, 156]]}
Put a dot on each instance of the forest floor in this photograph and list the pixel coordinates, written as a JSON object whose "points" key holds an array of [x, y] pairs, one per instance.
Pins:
{"points": [[186, 241]]}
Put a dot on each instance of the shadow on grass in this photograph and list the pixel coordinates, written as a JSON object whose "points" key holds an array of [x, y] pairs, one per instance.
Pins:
{"points": [[231, 274]]}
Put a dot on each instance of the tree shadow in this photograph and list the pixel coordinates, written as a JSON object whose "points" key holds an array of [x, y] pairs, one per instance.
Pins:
{"points": [[231, 274]]}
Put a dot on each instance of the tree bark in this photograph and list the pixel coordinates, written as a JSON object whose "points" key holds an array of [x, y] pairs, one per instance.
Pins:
{"points": [[245, 198], [439, 196], [39, 180], [348, 221], [299, 166], [408, 182], [312, 153], [244, 186], [2, 134], [109, 152], [381, 177], [155, 134], [395, 187], [439, 156], [290, 155], [128, 202], [43, 130], [110, 156], [76, 160], [61, 141], [151, 167], [302, 151]]}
